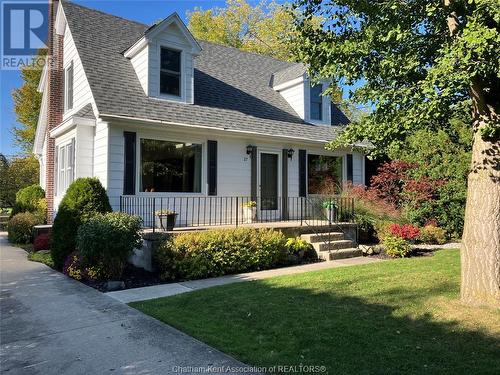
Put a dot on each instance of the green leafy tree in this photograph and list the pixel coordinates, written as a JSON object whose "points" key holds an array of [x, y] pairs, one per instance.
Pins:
{"points": [[420, 63], [27, 101], [266, 28], [16, 174]]}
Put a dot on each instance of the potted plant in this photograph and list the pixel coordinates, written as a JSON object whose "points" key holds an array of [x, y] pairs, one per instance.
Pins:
{"points": [[167, 219], [330, 207], [249, 211]]}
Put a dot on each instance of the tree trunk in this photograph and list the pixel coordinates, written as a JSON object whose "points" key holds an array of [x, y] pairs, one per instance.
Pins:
{"points": [[480, 252]]}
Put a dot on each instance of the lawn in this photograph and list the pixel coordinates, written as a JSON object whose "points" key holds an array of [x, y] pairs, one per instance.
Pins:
{"points": [[399, 316], [41, 257]]}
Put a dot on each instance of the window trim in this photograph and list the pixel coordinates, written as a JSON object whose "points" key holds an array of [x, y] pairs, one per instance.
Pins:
{"points": [[138, 172], [182, 94], [67, 95]]}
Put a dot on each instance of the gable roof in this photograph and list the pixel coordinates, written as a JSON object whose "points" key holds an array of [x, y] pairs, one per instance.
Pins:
{"points": [[288, 73], [232, 88]]}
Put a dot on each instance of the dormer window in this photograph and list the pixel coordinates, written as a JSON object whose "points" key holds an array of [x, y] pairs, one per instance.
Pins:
{"points": [[170, 72], [316, 102]]}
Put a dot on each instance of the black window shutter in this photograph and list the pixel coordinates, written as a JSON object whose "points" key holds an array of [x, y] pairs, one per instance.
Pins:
{"points": [[349, 167], [129, 161], [253, 177], [212, 167], [302, 173]]}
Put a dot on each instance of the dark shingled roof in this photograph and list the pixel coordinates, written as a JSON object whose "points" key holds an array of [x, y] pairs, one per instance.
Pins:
{"points": [[232, 88], [289, 73], [86, 112]]}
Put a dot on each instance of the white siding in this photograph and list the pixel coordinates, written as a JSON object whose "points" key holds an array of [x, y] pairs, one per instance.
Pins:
{"points": [[84, 152], [294, 95], [140, 64], [358, 168], [82, 94], [101, 139]]}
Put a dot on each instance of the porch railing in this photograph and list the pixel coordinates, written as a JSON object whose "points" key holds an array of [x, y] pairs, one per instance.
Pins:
{"points": [[213, 211]]}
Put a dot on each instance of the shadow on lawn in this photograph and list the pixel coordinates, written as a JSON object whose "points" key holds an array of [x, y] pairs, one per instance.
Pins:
{"points": [[387, 331]]}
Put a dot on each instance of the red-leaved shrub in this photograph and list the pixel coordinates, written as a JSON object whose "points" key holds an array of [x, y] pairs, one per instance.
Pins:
{"points": [[42, 242], [405, 231], [389, 181]]}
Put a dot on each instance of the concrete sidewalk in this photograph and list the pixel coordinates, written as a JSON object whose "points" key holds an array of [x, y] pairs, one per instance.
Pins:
{"points": [[165, 290], [51, 324]]}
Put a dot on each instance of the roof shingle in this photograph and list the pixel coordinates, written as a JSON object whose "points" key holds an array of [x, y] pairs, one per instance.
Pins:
{"points": [[232, 87]]}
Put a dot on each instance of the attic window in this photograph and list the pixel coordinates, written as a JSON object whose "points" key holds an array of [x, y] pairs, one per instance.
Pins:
{"points": [[316, 102], [170, 72]]}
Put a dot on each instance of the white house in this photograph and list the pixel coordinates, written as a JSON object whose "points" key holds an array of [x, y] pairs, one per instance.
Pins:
{"points": [[154, 113]]}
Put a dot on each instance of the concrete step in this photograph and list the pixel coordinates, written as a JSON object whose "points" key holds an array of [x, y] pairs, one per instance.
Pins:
{"points": [[340, 254], [333, 245], [323, 237]]}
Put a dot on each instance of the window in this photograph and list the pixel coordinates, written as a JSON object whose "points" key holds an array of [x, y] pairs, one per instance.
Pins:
{"points": [[170, 166], [65, 166], [324, 174], [316, 102], [170, 72], [68, 87]]}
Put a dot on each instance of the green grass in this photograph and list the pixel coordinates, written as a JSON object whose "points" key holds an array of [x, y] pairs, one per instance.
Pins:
{"points": [[41, 257], [399, 316]]}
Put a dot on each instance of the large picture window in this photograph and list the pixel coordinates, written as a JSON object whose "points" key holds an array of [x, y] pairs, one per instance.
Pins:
{"points": [[170, 166], [324, 174], [170, 72]]}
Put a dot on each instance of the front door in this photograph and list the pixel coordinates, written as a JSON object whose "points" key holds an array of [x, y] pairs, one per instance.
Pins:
{"points": [[269, 181]]}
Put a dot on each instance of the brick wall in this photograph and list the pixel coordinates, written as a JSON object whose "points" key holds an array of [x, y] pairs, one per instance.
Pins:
{"points": [[55, 95]]}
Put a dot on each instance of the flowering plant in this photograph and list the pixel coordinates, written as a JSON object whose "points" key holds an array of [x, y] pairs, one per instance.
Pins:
{"points": [[405, 231]]}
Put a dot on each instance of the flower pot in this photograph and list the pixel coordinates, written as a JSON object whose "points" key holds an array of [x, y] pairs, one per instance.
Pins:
{"points": [[330, 214], [167, 222], [249, 214]]}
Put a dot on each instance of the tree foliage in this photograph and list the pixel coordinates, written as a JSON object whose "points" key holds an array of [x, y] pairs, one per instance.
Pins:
{"points": [[406, 63], [27, 101], [266, 28], [16, 174]]}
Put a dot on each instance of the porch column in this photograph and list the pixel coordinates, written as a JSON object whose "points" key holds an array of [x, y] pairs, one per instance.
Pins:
{"points": [[284, 184]]}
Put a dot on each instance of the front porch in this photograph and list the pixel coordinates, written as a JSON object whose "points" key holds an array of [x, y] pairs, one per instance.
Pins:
{"points": [[205, 212]]}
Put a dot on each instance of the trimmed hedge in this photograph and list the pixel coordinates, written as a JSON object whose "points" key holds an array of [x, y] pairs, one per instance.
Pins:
{"points": [[84, 198], [109, 240], [20, 227], [219, 252]]}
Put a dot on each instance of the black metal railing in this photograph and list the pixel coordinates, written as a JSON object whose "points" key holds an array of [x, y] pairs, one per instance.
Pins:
{"points": [[208, 211]]}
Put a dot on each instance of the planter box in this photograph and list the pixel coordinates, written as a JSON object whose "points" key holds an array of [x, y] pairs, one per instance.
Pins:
{"points": [[249, 215], [166, 222], [330, 214]]}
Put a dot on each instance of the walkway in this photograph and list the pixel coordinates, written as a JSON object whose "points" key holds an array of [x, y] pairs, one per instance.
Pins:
{"points": [[51, 324], [165, 290]]}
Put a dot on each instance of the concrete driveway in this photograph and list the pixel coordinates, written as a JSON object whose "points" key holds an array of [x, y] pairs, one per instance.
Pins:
{"points": [[51, 324]]}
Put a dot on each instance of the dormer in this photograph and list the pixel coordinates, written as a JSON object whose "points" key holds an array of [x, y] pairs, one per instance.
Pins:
{"points": [[163, 60], [305, 97]]}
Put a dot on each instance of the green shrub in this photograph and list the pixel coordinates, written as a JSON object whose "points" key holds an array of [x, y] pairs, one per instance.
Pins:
{"points": [[84, 198], [31, 199], [396, 247], [431, 234], [218, 252], [20, 227], [301, 249], [109, 240]]}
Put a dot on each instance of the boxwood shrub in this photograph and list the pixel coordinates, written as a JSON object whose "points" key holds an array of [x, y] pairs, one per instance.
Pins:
{"points": [[108, 240], [84, 198], [20, 227], [219, 252]]}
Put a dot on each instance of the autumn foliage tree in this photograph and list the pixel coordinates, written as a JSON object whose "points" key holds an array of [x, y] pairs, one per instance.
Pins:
{"points": [[419, 64]]}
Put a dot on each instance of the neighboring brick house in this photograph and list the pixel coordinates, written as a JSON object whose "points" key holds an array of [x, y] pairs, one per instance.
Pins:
{"points": [[151, 112]]}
